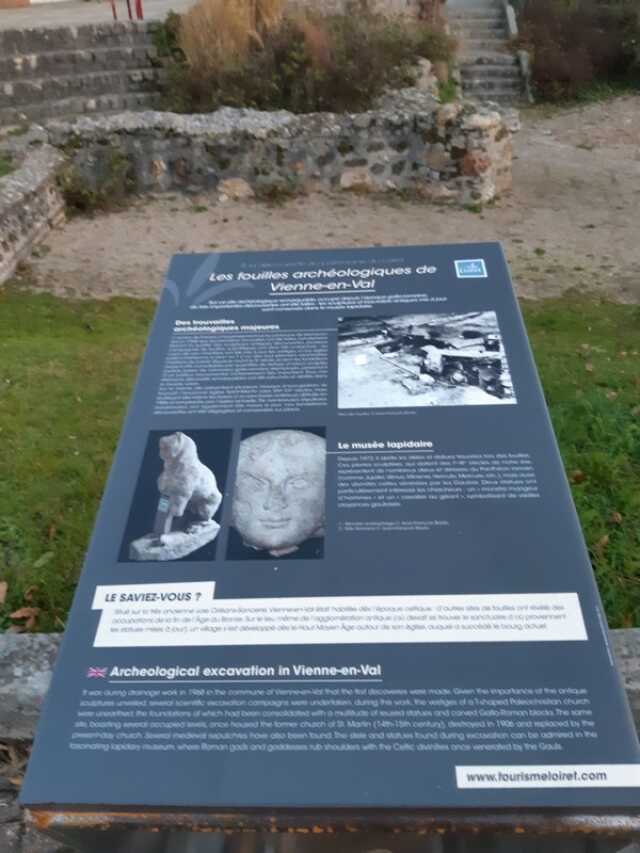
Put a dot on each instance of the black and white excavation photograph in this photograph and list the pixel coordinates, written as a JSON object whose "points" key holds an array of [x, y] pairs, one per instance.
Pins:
{"points": [[422, 360]]}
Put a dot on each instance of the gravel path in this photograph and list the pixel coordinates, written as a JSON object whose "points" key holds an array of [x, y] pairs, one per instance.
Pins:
{"points": [[571, 221]]}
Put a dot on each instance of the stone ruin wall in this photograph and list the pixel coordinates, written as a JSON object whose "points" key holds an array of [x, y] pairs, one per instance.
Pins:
{"points": [[456, 152], [30, 203]]}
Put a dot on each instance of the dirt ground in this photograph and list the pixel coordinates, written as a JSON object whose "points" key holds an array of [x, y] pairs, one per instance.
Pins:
{"points": [[572, 220]]}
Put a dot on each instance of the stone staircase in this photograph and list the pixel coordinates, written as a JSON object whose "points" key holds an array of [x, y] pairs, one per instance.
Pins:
{"points": [[489, 70], [68, 71]]}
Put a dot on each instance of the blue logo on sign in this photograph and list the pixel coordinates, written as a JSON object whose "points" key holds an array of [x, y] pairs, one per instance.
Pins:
{"points": [[471, 269]]}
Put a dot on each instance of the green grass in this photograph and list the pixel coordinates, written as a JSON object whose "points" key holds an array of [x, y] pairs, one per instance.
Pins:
{"points": [[595, 93], [603, 90], [589, 361], [66, 372], [448, 92]]}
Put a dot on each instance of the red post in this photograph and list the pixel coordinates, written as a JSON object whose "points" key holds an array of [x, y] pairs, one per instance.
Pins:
{"points": [[113, 9], [139, 12]]}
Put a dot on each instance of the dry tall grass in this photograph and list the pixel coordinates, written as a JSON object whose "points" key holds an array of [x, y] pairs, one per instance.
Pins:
{"points": [[216, 34], [317, 41]]}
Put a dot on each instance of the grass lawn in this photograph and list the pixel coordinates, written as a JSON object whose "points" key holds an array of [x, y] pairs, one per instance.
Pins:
{"points": [[66, 372]]}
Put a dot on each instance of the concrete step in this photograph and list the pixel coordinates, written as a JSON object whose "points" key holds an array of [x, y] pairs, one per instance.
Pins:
{"points": [[470, 7], [81, 105], [507, 99], [502, 96], [17, 67], [489, 90], [477, 16], [490, 58], [480, 28], [48, 40], [473, 36], [491, 85], [483, 72], [475, 46], [22, 93]]}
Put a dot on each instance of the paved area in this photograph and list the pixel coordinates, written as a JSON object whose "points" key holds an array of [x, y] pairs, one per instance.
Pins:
{"points": [[79, 12]]}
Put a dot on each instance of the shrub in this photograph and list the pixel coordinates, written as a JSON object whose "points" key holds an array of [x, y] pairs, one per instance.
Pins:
{"points": [[576, 43], [111, 191], [216, 35], [222, 54]]}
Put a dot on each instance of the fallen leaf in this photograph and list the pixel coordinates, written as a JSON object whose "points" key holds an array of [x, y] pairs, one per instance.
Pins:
{"points": [[22, 613], [601, 544], [4, 586], [611, 395], [577, 476], [635, 411], [30, 614], [615, 518], [588, 366], [51, 532]]}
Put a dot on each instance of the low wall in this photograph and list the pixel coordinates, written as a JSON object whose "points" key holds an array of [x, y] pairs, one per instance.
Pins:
{"points": [[455, 152], [30, 201]]}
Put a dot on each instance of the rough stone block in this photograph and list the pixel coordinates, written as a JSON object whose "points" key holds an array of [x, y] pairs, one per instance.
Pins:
{"points": [[482, 121], [29, 202], [35, 842], [26, 662], [235, 189], [356, 178], [626, 647], [437, 157], [10, 837]]}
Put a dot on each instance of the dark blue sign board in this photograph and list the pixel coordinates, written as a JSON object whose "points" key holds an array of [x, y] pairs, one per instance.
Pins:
{"points": [[337, 564]]}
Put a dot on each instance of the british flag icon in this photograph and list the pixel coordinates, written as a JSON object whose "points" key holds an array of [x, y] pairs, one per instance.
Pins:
{"points": [[97, 672]]}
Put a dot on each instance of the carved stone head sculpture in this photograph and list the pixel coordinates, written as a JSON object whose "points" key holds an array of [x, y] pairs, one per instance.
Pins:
{"points": [[279, 498]]}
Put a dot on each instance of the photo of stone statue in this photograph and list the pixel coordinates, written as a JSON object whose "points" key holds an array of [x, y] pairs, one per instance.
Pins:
{"points": [[188, 499], [422, 360], [278, 507]]}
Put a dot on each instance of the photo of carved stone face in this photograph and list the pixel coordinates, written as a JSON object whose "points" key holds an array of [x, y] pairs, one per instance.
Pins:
{"points": [[279, 498]]}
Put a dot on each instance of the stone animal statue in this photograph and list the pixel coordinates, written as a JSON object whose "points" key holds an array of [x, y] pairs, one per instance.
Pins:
{"points": [[185, 482]]}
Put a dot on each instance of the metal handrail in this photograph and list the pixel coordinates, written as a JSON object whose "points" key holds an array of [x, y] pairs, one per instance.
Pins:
{"points": [[139, 13]]}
